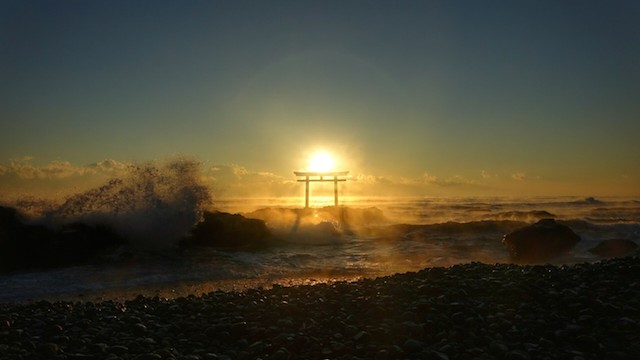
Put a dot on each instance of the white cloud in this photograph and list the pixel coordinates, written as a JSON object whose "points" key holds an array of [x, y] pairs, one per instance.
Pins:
{"points": [[370, 179], [239, 171], [519, 176], [429, 179], [108, 166], [458, 180], [487, 175], [238, 177], [24, 169]]}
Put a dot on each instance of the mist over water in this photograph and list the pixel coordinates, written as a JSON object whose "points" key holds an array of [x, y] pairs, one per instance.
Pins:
{"points": [[156, 204]]}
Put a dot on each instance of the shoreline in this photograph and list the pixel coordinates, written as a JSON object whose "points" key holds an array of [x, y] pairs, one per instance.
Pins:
{"points": [[588, 310], [172, 291]]}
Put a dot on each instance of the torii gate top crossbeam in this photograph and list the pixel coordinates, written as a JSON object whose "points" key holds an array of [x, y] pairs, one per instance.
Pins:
{"points": [[321, 173]]}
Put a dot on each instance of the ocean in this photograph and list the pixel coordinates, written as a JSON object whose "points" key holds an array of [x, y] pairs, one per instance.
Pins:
{"points": [[428, 232]]}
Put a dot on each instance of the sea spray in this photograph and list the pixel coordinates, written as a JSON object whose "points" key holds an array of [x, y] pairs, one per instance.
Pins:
{"points": [[474, 234], [154, 204]]}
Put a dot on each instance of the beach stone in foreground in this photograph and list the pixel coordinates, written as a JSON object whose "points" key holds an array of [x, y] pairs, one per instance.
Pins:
{"points": [[586, 311], [540, 242]]}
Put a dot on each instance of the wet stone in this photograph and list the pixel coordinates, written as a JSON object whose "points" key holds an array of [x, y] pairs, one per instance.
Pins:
{"points": [[48, 349], [98, 348], [118, 349], [412, 346], [139, 329]]}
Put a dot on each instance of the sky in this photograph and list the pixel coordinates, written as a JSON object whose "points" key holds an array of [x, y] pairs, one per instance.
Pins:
{"points": [[429, 98]]}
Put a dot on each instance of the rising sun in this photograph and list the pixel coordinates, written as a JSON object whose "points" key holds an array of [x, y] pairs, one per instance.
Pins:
{"points": [[321, 161]]}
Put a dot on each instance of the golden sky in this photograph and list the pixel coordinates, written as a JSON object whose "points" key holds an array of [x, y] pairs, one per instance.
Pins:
{"points": [[434, 98]]}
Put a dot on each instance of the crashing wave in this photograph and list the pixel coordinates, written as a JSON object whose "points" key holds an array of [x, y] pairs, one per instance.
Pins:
{"points": [[153, 204]]}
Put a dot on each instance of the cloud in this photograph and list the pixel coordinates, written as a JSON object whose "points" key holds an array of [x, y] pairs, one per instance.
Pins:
{"points": [[22, 177], [239, 171], [108, 166], [486, 175], [370, 179], [519, 176], [60, 170], [432, 180], [237, 180], [24, 169], [229, 172], [458, 180], [429, 179]]}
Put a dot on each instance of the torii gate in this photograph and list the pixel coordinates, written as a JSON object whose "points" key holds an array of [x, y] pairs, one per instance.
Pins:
{"points": [[310, 176]]}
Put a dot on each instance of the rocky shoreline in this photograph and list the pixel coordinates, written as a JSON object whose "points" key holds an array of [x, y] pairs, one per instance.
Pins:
{"points": [[501, 311]]}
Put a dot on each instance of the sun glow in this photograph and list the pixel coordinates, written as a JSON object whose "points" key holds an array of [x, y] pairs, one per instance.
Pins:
{"points": [[321, 161]]}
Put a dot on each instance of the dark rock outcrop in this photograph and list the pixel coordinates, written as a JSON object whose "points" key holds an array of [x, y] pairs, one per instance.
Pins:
{"points": [[228, 230], [539, 242], [24, 246], [611, 248]]}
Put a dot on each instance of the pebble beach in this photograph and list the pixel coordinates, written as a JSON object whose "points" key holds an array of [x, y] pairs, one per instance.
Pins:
{"points": [[474, 310]]}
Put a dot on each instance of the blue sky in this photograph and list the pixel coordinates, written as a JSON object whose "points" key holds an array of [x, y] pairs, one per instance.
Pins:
{"points": [[493, 96]]}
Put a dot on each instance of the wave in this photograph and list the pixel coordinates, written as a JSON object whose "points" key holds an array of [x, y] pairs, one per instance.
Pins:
{"points": [[528, 216], [450, 231], [153, 205], [324, 225], [159, 205]]}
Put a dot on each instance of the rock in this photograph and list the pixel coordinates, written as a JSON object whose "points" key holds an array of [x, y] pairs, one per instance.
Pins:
{"points": [[539, 242], [362, 336], [412, 346], [48, 349], [436, 355], [118, 349], [148, 356], [98, 348], [280, 354], [382, 355], [55, 329], [611, 248], [24, 246], [139, 329], [516, 355], [228, 230], [498, 348]]}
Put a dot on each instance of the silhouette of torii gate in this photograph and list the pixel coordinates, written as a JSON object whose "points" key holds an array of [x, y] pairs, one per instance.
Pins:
{"points": [[313, 176]]}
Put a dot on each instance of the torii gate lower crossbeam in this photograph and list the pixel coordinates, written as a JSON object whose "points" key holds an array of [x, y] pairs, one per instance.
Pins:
{"points": [[314, 176]]}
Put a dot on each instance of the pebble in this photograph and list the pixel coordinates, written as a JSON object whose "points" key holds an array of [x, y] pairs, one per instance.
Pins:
{"points": [[412, 346], [48, 349], [466, 311]]}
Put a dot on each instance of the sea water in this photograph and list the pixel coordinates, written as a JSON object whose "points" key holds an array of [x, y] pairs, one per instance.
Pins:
{"points": [[427, 232]]}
